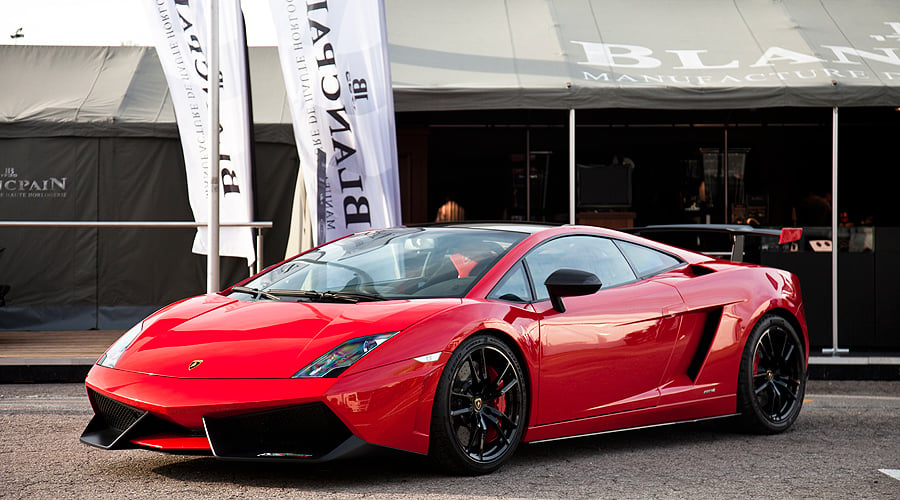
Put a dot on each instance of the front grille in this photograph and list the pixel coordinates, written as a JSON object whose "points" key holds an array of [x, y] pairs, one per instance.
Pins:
{"points": [[117, 416]]}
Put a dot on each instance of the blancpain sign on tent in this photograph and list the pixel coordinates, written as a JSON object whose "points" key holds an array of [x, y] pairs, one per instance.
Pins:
{"points": [[334, 59], [179, 27], [745, 65]]}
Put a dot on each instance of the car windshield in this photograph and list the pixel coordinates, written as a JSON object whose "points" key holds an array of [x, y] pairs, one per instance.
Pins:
{"points": [[385, 264]]}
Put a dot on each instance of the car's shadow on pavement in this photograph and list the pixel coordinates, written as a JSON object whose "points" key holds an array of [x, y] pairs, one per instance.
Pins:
{"points": [[371, 469], [389, 470]]}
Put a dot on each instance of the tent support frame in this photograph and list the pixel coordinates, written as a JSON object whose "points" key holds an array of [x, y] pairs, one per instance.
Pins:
{"points": [[834, 350], [572, 166]]}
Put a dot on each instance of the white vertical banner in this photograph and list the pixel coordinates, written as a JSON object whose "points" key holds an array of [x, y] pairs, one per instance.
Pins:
{"points": [[334, 59], [179, 28]]}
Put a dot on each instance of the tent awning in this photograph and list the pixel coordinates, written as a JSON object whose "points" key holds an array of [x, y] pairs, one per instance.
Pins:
{"points": [[527, 54], [690, 54]]}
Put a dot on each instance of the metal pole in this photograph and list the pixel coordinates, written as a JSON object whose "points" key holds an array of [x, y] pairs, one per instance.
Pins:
{"points": [[572, 166], [127, 224], [259, 249], [725, 165], [528, 174], [834, 350], [212, 259]]}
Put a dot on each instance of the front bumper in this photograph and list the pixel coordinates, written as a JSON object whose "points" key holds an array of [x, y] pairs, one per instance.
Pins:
{"points": [[310, 432], [264, 419]]}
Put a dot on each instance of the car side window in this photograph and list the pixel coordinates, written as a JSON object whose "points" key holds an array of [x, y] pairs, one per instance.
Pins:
{"points": [[647, 261], [593, 254], [513, 287]]}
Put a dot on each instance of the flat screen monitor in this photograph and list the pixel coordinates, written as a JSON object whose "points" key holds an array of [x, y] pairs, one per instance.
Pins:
{"points": [[604, 186]]}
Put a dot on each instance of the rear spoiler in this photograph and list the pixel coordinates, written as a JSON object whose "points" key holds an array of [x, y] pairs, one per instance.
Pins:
{"points": [[785, 235], [737, 231]]}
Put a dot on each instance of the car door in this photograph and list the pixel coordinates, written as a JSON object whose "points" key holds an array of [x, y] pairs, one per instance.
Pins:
{"points": [[608, 351]]}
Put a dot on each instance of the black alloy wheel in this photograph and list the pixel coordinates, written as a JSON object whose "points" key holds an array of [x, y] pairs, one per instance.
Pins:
{"points": [[480, 408], [772, 377]]}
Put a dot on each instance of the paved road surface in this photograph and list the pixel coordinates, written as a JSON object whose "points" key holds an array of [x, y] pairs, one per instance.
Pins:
{"points": [[846, 444]]}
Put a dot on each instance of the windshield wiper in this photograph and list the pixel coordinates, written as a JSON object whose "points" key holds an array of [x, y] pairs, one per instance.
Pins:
{"points": [[255, 291], [350, 297], [355, 296]]}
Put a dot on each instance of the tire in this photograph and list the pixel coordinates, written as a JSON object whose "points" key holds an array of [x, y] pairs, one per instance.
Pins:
{"points": [[480, 408], [772, 379]]}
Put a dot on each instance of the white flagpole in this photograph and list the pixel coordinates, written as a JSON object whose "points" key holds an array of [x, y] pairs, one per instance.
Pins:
{"points": [[212, 259]]}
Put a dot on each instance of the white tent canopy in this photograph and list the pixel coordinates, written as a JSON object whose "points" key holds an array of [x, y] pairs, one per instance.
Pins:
{"points": [[528, 54], [691, 54]]}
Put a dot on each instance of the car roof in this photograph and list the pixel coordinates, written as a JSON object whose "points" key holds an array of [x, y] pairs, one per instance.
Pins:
{"points": [[516, 227]]}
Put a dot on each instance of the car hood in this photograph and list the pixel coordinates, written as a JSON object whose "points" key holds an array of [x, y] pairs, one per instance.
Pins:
{"points": [[218, 337]]}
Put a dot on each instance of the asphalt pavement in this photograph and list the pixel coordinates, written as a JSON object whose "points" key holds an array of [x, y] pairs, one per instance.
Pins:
{"points": [[845, 444]]}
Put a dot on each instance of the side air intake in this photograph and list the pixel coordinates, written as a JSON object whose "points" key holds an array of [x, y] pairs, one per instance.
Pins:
{"points": [[699, 270], [710, 326]]}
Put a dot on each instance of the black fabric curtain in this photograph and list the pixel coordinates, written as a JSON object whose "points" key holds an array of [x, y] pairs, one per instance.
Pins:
{"points": [[110, 278]]}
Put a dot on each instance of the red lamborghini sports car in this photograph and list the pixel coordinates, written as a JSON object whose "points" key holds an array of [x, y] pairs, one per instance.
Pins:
{"points": [[458, 342]]}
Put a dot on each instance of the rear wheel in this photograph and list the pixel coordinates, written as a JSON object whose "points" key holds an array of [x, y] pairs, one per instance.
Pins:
{"points": [[772, 378], [480, 408]]}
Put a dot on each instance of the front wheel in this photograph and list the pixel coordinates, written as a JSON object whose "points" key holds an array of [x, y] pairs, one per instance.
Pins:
{"points": [[772, 378], [480, 408]]}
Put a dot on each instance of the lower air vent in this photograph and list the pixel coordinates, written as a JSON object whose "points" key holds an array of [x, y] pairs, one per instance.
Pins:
{"points": [[309, 431], [116, 415], [112, 422]]}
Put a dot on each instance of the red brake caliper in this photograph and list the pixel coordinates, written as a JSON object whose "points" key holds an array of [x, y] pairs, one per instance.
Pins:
{"points": [[498, 404]]}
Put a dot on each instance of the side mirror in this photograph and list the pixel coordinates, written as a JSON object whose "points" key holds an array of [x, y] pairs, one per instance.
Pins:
{"points": [[570, 283]]}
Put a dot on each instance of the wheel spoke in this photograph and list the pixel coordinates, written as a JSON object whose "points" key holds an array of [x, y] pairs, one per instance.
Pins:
{"points": [[482, 426], [776, 401], [497, 414], [788, 356], [472, 427], [788, 391], [484, 367], [792, 383], [499, 381], [473, 371], [512, 383], [785, 344], [499, 392], [461, 411], [500, 431], [768, 350]]}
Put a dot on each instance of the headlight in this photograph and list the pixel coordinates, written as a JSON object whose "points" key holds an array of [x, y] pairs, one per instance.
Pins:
{"points": [[335, 361], [115, 351]]}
